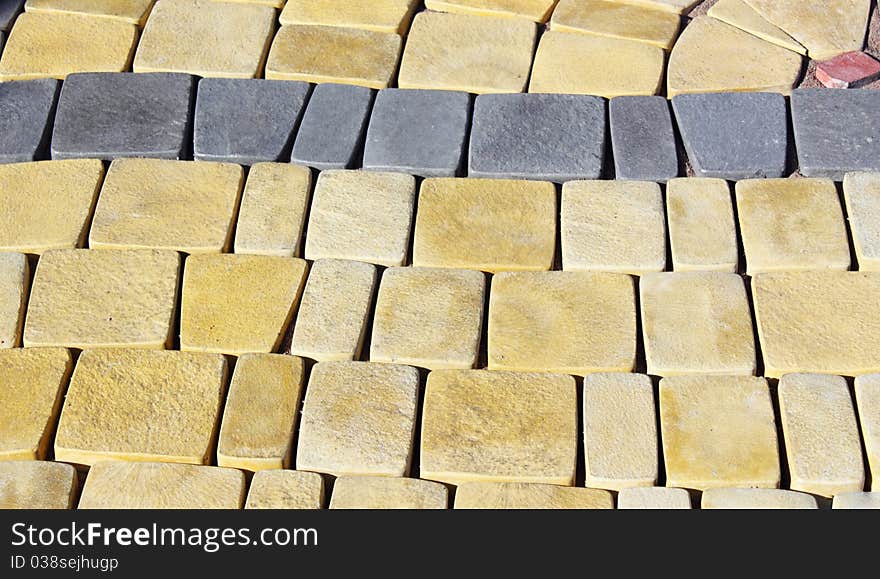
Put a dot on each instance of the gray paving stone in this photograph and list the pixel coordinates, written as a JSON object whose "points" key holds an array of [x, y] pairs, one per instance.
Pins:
{"points": [[9, 10], [331, 134], [123, 114], [421, 132], [836, 131], [642, 138], [247, 121], [734, 135], [552, 137], [26, 118]]}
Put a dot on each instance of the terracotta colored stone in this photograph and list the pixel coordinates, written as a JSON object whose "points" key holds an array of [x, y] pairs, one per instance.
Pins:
{"points": [[848, 70]]}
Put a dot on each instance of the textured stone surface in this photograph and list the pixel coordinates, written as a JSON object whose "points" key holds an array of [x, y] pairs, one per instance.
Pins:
{"points": [[467, 53], [851, 69], [164, 204], [131, 11], [740, 14], [836, 131], [655, 498], [331, 134], [359, 418], [492, 225], [674, 6], [286, 489], [536, 10], [14, 282], [566, 322], [153, 485], [118, 397], [513, 495], [537, 136], [642, 138], [234, 304], [738, 498], [392, 16], [429, 317], [734, 135], [373, 492], [791, 224], [421, 132], [718, 431], [617, 20], [25, 119], [856, 501], [32, 384], [30, 484], [867, 390], [84, 298], [124, 115], [616, 226], [702, 229], [8, 12], [246, 121], [261, 412], [335, 310], [499, 427], [361, 215]]}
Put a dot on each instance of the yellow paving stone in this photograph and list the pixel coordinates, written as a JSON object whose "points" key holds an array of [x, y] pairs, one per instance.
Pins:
{"points": [[141, 405], [32, 382], [164, 204], [862, 194], [616, 226], [14, 282], [572, 63], [331, 54], [154, 485], [821, 434], [429, 317], [55, 45], [359, 418], [273, 210], [609, 18], [739, 498], [535, 10], [286, 489], [712, 56], [738, 13], [361, 215], [821, 321], [702, 230], [791, 224], [488, 224], [513, 495], [85, 298], [868, 402], [390, 16], [620, 431], [566, 322], [261, 412], [206, 38], [371, 492], [234, 304], [718, 431], [479, 425], [335, 310], [131, 11], [34, 484], [467, 53], [697, 323], [47, 204], [656, 498], [856, 501], [674, 6]]}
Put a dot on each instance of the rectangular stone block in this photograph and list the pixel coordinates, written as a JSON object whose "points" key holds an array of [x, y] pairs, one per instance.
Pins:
{"points": [[26, 109], [286, 489], [617, 20], [131, 11], [513, 495], [373, 492], [642, 138], [391, 16], [774, 499], [30, 484], [868, 401], [536, 10], [856, 501], [654, 498], [15, 280], [702, 229], [862, 194]]}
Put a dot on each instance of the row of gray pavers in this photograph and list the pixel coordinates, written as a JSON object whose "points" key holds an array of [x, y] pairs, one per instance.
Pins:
{"points": [[439, 133]]}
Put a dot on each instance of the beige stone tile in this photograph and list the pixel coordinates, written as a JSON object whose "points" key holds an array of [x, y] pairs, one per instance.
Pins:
{"points": [[131, 11], [429, 317], [31, 484], [390, 16], [335, 310], [32, 382], [513, 495], [485, 426], [739, 498], [488, 224], [674, 6], [379, 492], [718, 431], [234, 304], [616, 226], [359, 418], [856, 501], [702, 230], [656, 498], [535, 10], [566, 322], [862, 194], [14, 283], [85, 298], [738, 13], [868, 402], [617, 20], [286, 489]]}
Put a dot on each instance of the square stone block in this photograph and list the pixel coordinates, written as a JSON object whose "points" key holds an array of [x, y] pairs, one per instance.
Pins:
{"points": [[485, 224], [642, 138], [141, 405], [131, 11], [512, 495], [391, 16], [566, 322], [359, 418], [617, 20], [702, 229], [379, 492], [26, 109], [162, 204], [536, 10], [774, 499], [654, 498], [487, 426], [14, 282], [31, 484], [856, 501], [718, 431], [862, 194], [868, 400], [234, 304], [286, 489]]}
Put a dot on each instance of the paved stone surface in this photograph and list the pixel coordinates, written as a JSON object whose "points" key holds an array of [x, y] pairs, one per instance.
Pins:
{"points": [[674, 6], [285, 489], [849, 70], [739, 498], [617, 20], [392, 16], [513, 495], [740, 14], [537, 10], [642, 138], [862, 194], [662, 498], [734, 135], [26, 109], [856, 501], [702, 229], [14, 285], [8, 12], [380, 492], [124, 115], [836, 131], [421, 132], [246, 121], [331, 134], [537, 136], [867, 390], [31, 484], [131, 11]]}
